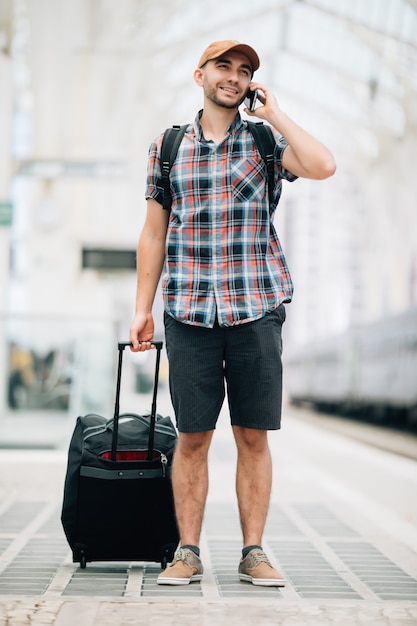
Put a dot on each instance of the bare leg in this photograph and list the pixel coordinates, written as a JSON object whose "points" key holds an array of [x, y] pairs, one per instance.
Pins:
{"points": [[190, 483], [253, 482]]}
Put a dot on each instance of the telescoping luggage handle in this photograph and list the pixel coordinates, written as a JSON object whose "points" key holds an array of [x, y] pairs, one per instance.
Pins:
{"points": [[121, 346]]}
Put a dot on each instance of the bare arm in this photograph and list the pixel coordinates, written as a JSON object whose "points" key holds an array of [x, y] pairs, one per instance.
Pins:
{"points": [[150, 261], [304, 156]]}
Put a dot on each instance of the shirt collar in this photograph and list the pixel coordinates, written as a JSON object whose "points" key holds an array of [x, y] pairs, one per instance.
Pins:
{"points": [[198, 131]]}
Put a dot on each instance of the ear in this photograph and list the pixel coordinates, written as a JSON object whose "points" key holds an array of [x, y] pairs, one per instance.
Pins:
{"points": [[199, 76]]}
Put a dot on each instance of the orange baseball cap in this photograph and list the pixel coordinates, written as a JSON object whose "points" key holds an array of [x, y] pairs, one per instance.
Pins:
{"points": [[217, 48]]}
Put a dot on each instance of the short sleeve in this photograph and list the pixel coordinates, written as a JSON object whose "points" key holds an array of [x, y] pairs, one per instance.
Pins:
{"points": [[154, 188], [280, 146]]}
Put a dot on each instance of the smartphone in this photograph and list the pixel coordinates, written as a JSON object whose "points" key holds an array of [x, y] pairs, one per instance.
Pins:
{"points": [[250, 100]]}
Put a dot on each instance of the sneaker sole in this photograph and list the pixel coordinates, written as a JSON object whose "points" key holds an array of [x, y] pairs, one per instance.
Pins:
{"points": [[263, 582], [179, 581]]}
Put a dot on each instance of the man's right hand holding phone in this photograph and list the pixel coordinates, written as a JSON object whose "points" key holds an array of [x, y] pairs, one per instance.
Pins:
{"points": [[268, 107], [250, 99]]}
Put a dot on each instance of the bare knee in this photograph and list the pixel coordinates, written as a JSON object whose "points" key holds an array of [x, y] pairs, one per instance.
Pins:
{"points": [[193, 445], [250, 439]]}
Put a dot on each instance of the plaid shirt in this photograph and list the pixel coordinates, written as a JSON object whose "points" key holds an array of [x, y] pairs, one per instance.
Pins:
{"points": [[223, 257]]}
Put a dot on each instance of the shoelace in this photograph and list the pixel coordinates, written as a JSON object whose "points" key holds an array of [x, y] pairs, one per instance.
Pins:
{"points": [[260, 557], [181, 555]]}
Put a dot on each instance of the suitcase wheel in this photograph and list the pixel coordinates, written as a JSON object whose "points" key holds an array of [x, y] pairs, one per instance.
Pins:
{"points": [[79, 553], [164, 562]]}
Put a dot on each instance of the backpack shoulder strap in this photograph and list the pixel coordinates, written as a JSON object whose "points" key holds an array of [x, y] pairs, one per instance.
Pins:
{"points": [[170, 144], [265, 143]]}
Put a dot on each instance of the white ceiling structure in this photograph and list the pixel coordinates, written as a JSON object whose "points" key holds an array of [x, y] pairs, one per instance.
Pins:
{"points": [[80, 62]]}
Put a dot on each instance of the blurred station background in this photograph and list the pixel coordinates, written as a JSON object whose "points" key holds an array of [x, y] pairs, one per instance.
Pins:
{"points": [[86, 85]]}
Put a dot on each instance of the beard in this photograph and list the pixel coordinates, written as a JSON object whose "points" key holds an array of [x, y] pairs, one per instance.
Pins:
{"points": [[212, 95]]}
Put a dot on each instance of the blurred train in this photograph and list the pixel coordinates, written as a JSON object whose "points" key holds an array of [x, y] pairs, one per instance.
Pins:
{"points": [[369, 372]]}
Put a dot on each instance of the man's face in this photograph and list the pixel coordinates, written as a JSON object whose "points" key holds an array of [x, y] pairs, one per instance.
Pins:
{"points": [[226, 79]]}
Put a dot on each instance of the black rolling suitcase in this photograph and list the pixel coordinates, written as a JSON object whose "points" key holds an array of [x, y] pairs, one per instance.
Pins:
{"points": [[118, 502]]}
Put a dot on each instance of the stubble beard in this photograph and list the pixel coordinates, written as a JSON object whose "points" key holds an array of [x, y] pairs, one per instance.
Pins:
{"points": [[213, 97]]}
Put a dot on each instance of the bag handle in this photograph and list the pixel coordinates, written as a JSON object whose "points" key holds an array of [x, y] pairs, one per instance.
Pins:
{"points": [[121, 346]]}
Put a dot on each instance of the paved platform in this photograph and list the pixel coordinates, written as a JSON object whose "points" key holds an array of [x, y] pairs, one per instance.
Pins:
{"points": [[342, 526]]}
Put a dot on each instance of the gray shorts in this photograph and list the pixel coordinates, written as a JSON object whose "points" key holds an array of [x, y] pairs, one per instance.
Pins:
{"points": [[245, 359]]}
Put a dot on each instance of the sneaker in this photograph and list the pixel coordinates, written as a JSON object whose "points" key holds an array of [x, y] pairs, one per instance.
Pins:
{"points": [[184, 569], [255, 568]]}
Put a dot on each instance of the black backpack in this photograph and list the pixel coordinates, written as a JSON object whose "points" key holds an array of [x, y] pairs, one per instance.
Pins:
{"points": [[262, 135]]}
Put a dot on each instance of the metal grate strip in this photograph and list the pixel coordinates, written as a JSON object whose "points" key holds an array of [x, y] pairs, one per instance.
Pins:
{"points": [[19, 515], [32, 570], [310, 573], [222, 519], [323, 521], [279, 524], [5, 543], [98, 580], [386, 579], [52, 525]]}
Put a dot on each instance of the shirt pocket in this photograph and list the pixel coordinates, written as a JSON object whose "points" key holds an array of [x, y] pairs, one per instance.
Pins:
{"points": [[247, 179]]}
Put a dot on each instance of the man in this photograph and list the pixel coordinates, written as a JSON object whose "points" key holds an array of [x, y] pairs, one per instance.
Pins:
{"points": [[224, 285]]}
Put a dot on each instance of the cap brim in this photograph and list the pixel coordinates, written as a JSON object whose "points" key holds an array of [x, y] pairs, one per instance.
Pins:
{"points": [[249, 52]]}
